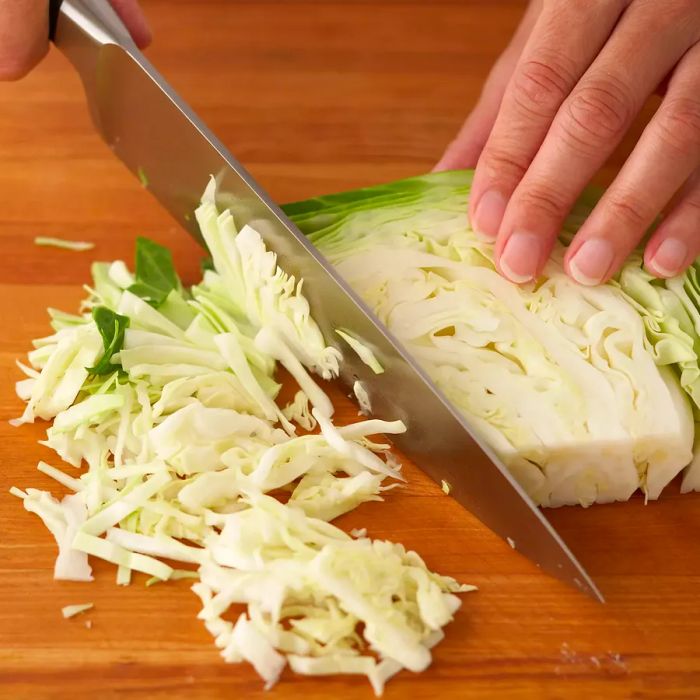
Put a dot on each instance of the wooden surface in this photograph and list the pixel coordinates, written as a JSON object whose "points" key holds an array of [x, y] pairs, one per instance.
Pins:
{"points": [[313, 97]]}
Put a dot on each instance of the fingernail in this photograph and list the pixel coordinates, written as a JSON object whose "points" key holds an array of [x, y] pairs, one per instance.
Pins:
{"points": [[520, 257], [489, 213], [592, 260], [441, 165], [669, 257]]}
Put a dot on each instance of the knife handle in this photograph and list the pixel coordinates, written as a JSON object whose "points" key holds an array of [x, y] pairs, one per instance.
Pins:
{"points": [[54, 10]]}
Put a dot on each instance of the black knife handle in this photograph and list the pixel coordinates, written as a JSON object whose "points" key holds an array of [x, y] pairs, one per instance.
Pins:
{"points": [[54, 9]]}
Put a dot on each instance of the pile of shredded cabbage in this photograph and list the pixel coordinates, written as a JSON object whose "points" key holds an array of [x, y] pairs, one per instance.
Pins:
{"points": [[584, 392], [164, 402]]}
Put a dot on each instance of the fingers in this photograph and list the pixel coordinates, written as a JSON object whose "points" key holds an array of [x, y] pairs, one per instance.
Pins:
{"points": [[544, 76], [586, 129], [464, 151], [24, 36], [676, 243], [135, 21], [666, 155]]}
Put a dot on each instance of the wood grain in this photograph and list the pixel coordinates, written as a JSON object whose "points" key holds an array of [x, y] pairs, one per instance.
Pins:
{"points": [[313, 97]]}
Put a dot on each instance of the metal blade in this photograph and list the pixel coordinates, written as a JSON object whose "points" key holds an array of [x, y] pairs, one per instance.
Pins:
{"points": [[155, 133]]}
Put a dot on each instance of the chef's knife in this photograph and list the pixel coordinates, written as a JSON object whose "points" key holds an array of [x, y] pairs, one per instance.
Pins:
{"points": [[151, 129]]}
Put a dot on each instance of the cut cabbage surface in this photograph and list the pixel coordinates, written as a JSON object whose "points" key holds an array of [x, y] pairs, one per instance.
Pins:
{"points": [[165, 406], [587, 394]]}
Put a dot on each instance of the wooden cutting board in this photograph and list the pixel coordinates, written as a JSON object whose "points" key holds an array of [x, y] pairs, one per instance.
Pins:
{"points": [[314, 97]]}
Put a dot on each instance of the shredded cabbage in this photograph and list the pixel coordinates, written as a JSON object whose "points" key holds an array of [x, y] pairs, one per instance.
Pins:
{"points": [[63, 243], [583, 392], [183, 454], [299, 412], [362, 398], [63, 520], [73, 610], [364, 352]]}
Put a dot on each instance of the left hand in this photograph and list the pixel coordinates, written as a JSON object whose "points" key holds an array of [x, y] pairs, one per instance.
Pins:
{"points": [[555, 106]]}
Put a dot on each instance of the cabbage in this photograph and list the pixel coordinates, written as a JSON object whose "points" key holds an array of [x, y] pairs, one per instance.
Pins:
{"points": [[77, 246], [73, 610], [363, 351], [298, 411], [585, 393], [63, 521], [290, 567], [164, 401]]}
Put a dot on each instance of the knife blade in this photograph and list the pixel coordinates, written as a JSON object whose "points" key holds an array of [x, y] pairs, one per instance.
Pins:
{"points": [[159, 138]]}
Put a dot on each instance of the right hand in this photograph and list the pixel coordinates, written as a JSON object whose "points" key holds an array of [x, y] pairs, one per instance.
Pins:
{"points": [[24, 32]]}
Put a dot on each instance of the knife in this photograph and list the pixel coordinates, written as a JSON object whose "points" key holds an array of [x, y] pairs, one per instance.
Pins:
{"points": [[160, 139]]}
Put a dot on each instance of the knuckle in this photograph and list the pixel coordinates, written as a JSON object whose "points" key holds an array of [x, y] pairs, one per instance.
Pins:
{"points": [[502, 164], [677, 13], [692, 200], [628, 209], [540, 86], [577, 10], [679, 10], [678, 124], [598, 112], [694, 206], [597, 4], [543, 198]]}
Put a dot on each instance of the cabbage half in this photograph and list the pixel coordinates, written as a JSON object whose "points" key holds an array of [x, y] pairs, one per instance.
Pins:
{"points": [[165, 404], [585, 393]]}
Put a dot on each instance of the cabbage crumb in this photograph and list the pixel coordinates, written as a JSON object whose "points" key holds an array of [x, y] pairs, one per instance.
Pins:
{"points": [[77, 246], [73, 610]]}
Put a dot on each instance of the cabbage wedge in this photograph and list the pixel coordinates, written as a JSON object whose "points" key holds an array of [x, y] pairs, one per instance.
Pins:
{"points": [[587, 394]]}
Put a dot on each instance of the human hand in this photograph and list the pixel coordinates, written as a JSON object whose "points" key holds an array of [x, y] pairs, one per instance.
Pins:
{"points": [[24, 32], [555, 106]]}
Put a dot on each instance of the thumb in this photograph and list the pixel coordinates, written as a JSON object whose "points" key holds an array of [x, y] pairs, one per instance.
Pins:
{"points": [[465, 149]]}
